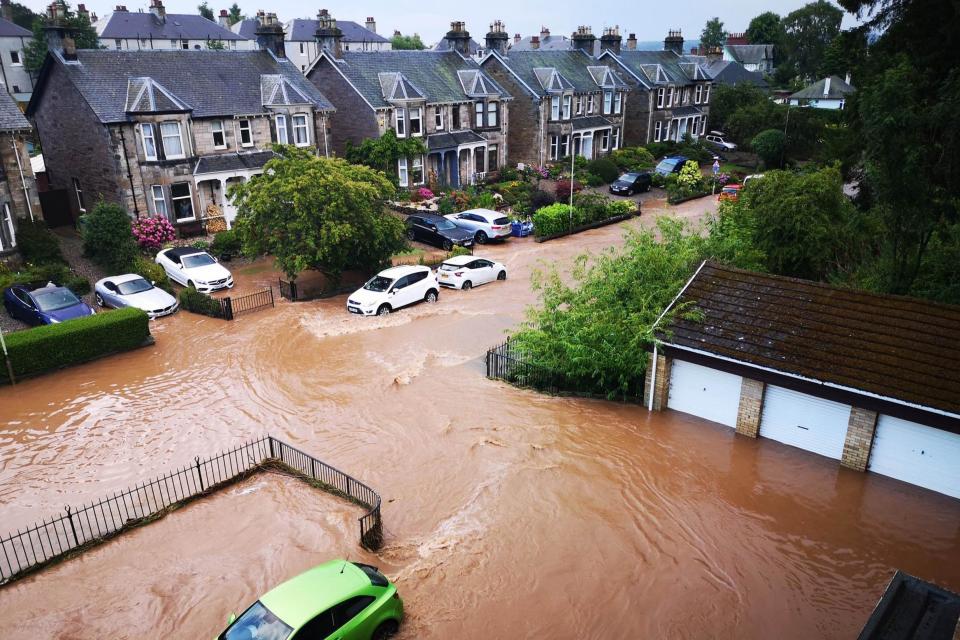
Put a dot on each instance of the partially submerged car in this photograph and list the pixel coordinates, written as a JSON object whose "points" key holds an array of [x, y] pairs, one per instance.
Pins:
{"points": [[394, 288]]}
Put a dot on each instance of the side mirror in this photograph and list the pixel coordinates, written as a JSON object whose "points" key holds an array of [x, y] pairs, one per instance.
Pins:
{"points": [[232, 618], [153, 282], [180, 265]]}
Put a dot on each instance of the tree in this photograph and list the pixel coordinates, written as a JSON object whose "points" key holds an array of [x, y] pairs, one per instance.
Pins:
{"points": [[216, 45], [77, 26], [310, 212], [108, 238], [846, 53], [23, 15], [402, 42], [766, 28], [234, 14], [713, 36], [808, 32], [204, 9], [726, 99], [770, 145], [383, 153]]}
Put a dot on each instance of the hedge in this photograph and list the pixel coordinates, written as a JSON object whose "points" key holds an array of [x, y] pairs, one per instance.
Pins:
{"points": [[193, 300], [587, 210], [54, 346]]}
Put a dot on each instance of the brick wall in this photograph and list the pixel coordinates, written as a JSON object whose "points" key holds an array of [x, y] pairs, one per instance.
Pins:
{"points": [[354, 120], [751, 407], [662, 388], [859, 440]]}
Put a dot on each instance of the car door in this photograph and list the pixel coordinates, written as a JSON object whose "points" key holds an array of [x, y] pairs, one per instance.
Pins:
{"points": [[18, 304], [340, 622], [400, 292], [484, 270], [466, 221], [111, 297]]}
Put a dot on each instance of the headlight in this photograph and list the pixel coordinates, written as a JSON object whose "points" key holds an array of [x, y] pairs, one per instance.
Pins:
{"points": [[54, 321]]}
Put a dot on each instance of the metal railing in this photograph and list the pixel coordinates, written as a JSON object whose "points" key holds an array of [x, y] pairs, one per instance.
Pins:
{"points": [[300, 292], [78, 529], [251, 302]]}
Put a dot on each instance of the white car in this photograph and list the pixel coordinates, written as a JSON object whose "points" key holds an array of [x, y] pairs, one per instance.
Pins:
{"points": [[466, 272], [718, 140], [485, 224], [394, 288], [194, 268], [131, 290]]}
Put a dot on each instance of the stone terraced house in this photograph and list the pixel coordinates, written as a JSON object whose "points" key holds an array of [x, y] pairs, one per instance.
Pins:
{"points": [[564, 100], [166, 132], [18, 192], [442, 97], [157, 29], [13, 42]]}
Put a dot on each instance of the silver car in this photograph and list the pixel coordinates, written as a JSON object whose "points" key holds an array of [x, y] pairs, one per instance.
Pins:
{"points": [[131, 290]]}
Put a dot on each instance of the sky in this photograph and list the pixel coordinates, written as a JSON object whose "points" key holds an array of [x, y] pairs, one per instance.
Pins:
{"points": [[431, 19]]}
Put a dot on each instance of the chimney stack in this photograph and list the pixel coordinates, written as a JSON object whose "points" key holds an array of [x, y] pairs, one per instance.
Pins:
{"points": [[610, 40], [269, 35], [738, 38], [497, 38], [59, 37], [534, 42], [632, 42], [544, 34], [371, 24], [583, 39], [516, 37], [674, 42], [224, 19], [458, 38], [120, 8], [6, 10], [156, 8], [328, 35], [82, 12]]}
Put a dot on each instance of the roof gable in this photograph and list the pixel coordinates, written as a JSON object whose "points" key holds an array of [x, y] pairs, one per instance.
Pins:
{"points": [[397, 88], [276, 90], [11, 29], [476, 84], [551, 81], [146, 95]]}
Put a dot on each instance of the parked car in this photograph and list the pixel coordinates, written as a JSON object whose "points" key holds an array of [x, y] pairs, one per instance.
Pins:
{"points": [[730, 192], [484, 223], [717, 140], [466, 272], [631, 183], [44, 305], [194, 268], [130, 290], [671, 164], [394, 288], [354, 601], [438, 231], [752, 176]]}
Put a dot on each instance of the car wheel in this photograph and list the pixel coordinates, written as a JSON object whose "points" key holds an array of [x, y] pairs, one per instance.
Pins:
{"points": [[190, 284], [447, 245], [481, 237], [410, 234], [431, 296], [384, 310], [385, 630], [466, 286], [99, 299], [502, 275]]}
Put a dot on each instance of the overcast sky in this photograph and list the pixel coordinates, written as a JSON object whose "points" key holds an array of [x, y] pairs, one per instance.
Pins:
{"points": [[649, 20]]}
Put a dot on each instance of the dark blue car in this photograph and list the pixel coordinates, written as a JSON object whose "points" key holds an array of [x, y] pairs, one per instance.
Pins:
{"points": [[44, 305]]}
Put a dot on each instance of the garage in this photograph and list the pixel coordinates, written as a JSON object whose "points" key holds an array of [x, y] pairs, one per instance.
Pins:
{"points": [[918, 454], [704, 392], [804, 421]]}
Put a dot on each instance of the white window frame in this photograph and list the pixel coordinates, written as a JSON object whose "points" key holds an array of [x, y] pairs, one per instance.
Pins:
{"points": [[478, 111], [78, 192], [657, 130], [669, 97], [249, 130], [607, 102], [703, 125], [222, 131], [579, 105], [173, 203], [179, 137], [8, 221], [555, 108], [415, 164], [19, 61], [493, 115], [403, 176], [416, 115], [591, 104], [698, 94], [160, 207], [554, 147], [706, 95], [605, 140], [146, 127], [438, 118], [400, 122], [618, 102], [301, 124], [567, 103], [660, 95], [282, 136], [616, 139]]}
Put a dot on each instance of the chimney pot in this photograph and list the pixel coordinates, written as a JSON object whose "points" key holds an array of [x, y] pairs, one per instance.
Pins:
{"points": [[371, 24], [534, 42], [497, 39], [458, 38], [269, 34]]}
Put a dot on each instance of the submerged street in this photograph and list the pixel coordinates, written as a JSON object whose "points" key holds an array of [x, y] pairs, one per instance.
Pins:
{"points": [[507, 513]]}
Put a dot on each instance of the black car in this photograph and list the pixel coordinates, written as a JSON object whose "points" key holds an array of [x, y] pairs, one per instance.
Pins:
{"points": [[631, 183], [438, 231]]}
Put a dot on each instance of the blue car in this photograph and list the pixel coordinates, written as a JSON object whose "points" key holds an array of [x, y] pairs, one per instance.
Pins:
{"points": [[47, 305], [671, 164]]}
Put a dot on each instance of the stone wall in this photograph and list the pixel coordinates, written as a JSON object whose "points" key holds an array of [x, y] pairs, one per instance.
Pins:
{"points": [[751, 407], [526, 127], [354, 119], [859, 440]]}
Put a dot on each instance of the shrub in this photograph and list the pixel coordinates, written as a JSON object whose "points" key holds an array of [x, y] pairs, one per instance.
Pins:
{"points": [[604, 168], [226, 243], [593, 180], [458, 251], [154, 232], [552, 219], [621, 208], [39, 275], [509, 174], [690, 175], [633, 159], [37, 243], [483, 200], [769, 146], [108, 239], [540, 199], [658, 180], [424, 193], [51, 347], [202, 245], [661, 149], [193, 300], [564, 186], [152, 272], [514, 193]]}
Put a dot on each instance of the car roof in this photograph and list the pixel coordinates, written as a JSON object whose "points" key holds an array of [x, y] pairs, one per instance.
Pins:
{"points": [[183, 251], [47, 287], [461, 260], [428, 216], [486, 213], [402, 270], [126, 277], [300, 598]]}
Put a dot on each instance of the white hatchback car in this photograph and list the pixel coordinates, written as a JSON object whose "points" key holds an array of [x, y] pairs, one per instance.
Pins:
{"points": [[194, 268], [466, 272], [394, 288], [485, 224]]}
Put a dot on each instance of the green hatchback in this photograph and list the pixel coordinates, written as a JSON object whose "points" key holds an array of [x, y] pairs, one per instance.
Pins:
{"points": [[339, 600]]}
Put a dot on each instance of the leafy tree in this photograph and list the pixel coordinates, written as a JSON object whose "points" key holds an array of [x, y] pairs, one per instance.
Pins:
{"points": [[77, 26], [808, 32], [402, 42], [234, 14], [204, 9], [713, 36], [766, 28], [108, 238], [846, 53], [317, 213], [216, 45], [770, 145], [23, 15], [383, 153], [726, 99]]}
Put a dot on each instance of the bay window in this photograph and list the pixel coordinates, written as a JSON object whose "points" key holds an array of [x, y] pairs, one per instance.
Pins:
{"points": [[669, 97], [698, 94], [301, 132], [172, 141], [246, 134], [564, 146], [706, 94], [282, 136], [616, 139], [493, 158], [657, 130], [416, 170], [554, 147], [478, 109], [567, 100], [590, 103], [182, 200], [579, 105], [159, 202], [618, 102], [416, 126], [149, 140], [402, 178], [491, 114], [660, 98], [438, 118], [605, 139]]}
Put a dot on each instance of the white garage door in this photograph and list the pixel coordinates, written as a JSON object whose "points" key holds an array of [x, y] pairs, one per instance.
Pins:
{"points": [[804, 421], [704, 392], [917, 454]]}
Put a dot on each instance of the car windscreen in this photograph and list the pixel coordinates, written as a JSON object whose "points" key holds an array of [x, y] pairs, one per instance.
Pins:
{"points": [[377, 579], [197, 260], [131, 287], [378, 284], [54, 299], [628, 177], [502, 221], [666, 165], [444, 225], [257, 623]]}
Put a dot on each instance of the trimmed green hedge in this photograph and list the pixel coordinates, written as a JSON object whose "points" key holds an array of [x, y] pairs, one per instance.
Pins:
{"points": [[54, 346], [588, 209], [196, 302]]}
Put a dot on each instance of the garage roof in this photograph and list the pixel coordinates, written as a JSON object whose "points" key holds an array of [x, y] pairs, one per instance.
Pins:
{"points": [[913, 609], [894, 347]]}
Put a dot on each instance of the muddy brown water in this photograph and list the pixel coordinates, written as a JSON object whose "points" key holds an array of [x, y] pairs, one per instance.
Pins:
{"points": [[507, 513]]}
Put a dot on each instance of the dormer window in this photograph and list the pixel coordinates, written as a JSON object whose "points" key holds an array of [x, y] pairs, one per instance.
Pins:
{"points": [[607, 102], [567, 101], [149, 141], [438, 118], [555, 108], [416, 126], [282, 137], [618, 102], [301, 132], [172, 142], [660, 93], [400, 122]]}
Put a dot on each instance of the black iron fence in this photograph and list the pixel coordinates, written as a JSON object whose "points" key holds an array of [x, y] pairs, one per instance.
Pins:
{"points": [[250, 302], [301, 291], [77, 529]]}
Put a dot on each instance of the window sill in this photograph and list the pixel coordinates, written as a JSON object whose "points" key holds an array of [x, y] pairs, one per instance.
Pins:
{"points": [[303, 145], [221, 148], [246, 145]]}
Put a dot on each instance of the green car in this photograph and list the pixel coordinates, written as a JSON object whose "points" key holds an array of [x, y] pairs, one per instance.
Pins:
{"points": [[339, 600]]}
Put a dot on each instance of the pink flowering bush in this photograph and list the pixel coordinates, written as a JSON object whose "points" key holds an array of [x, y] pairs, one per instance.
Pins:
{"points": [[153, 233], [424, 193]]}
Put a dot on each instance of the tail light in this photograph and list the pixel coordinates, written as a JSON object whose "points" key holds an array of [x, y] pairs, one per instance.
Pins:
{"points": [[458, 273]]}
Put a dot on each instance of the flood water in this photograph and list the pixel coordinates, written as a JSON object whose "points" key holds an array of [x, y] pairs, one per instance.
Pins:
{"points": [[507, 514]]}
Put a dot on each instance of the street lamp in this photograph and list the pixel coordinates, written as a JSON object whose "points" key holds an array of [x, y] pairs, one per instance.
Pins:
{"points": [[573, 158]]}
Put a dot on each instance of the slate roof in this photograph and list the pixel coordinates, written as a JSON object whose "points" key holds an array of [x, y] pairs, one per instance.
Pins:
{"points": [[549, 43], [838, 90], [892, 346], [232, 162], [11, 29], [246, 28], [11, 118], [303, 30], [750, 53], [688, 110], [452, 140], [913, 609], [590, 122], [661, 67], [210, 83], [535, 69], [432, 74], [472, 47], [732, 73], [128, 24]]}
